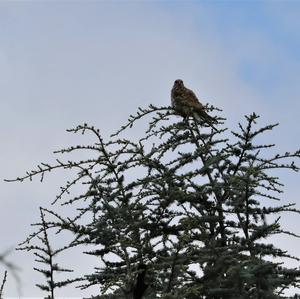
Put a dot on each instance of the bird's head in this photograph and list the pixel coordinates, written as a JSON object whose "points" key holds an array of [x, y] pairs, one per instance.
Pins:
{"points": [[178, 83]]}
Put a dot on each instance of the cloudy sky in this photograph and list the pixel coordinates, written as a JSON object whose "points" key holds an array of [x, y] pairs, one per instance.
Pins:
{"points": [[63, 63]]}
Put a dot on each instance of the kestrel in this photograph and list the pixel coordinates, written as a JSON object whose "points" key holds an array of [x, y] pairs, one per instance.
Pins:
{"points": [[186, 103]]}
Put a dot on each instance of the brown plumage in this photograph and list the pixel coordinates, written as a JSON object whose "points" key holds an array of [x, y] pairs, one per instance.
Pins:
{"points": [[186, 103]]}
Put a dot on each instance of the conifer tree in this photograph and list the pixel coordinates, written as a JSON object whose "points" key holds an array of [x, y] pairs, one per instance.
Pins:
{"points": [[45, 255], [10, 268], [2, 284], [185, 211]]}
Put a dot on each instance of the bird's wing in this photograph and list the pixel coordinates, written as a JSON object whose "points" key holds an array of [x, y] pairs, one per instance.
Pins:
{"points": [[193, 100]]}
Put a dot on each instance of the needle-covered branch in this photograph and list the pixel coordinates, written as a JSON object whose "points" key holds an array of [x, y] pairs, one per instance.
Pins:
{"points": [[178, 213], [3, 284]]}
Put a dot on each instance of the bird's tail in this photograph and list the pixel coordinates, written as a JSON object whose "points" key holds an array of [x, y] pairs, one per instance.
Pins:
{"points": [[205, 118]]}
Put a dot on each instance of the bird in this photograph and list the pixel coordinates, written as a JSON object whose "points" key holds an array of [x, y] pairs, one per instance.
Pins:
{"points": [[185, 102]]}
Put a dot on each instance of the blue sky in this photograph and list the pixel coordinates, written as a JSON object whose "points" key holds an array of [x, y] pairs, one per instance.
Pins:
{"points": [[65, 63]]}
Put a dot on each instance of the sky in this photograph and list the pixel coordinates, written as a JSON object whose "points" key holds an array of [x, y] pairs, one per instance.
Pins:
{"points": [[63, 63]]}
